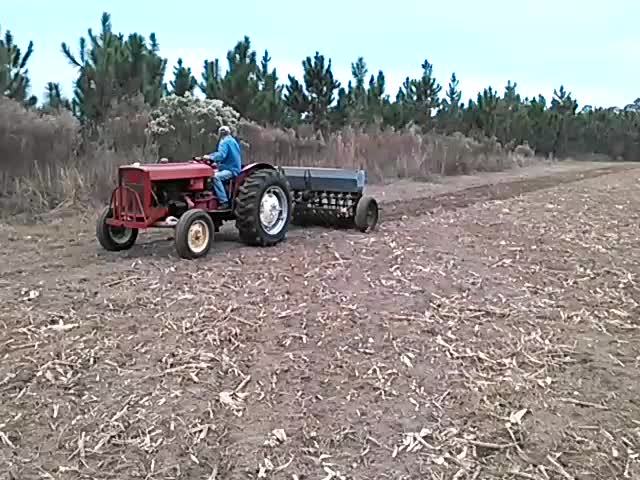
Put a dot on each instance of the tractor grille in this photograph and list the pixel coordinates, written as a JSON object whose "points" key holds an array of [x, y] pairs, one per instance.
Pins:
{"points": [[129, 200]]}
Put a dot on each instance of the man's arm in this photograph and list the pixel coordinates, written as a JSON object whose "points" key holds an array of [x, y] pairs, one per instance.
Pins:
{"points": [[221, 154]]}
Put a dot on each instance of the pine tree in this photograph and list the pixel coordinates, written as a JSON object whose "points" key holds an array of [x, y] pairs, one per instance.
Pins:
{"points": [[377, 101], [14, 75], [320, 86], [152, 71], [359, 72], [505, 111], [454, 95], [240, 83], [296, 100], [377, 87], [403, 112], [450, 113], [264, 75], [54, 101], [563, 107], [268, 105], [511, 97], [315, 98], [357, 100], [112, 68], [211, 84], [427, 95], [183, 82], [543, 126], [340, 114], [487, 106]]}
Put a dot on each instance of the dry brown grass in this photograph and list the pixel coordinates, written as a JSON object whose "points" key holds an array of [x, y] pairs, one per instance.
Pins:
{"points": [[29, 140], [385, 155], [47, 163], [64, 184]]}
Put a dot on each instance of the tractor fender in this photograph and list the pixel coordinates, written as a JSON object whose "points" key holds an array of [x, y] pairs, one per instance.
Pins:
{"points": [[248, 169], [256, 166]]}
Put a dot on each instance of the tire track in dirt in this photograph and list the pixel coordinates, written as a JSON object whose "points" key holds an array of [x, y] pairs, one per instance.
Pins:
{"points": [[395, 210]]}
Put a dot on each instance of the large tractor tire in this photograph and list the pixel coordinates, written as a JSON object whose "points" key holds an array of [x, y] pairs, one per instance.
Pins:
{"points": [[263, 208], [194, 234], [114, 239]]}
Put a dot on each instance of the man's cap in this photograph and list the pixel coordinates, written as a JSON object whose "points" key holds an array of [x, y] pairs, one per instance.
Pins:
{"points": [[224, 129]]}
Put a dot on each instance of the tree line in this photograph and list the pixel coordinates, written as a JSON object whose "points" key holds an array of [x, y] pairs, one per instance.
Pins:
{"points": [[111, 67]]}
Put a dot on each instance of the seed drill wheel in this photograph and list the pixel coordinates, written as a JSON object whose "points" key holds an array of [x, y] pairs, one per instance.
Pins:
{"points": [[194, 234], [263, 208], [367, 214], [114, 239]]}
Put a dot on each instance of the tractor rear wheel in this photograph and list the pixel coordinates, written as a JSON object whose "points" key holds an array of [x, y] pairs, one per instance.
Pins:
{"points": [[114, 239], [194, 234], [263, 208], [367, 214]]}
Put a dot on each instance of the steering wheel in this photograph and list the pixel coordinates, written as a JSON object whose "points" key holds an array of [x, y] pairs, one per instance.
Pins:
{"points": [[206, 162]]}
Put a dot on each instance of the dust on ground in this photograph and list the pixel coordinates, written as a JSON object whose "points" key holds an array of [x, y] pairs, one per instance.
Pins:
{"points": [[491, 339]]}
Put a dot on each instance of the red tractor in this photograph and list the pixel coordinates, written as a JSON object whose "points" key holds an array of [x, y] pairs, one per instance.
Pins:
{"points": [[180, 196], [264, 201]]}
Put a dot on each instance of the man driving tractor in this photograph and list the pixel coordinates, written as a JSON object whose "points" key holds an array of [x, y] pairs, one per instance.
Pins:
{"points": [[229, 160]]}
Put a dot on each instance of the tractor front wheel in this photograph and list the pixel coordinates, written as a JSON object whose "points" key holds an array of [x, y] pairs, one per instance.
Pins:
{"points": [[263, 208], [194, 234], [114, 239]]}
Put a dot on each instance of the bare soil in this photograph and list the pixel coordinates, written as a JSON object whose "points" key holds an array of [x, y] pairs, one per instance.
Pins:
{"points": [[486, 331], [405, 189]]}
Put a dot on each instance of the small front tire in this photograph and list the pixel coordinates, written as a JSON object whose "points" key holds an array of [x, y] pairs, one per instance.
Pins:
{"points": [[114, 239], [194, 234]]}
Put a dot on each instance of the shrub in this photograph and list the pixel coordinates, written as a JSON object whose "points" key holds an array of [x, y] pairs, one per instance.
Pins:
{"points": [[184, 126]]}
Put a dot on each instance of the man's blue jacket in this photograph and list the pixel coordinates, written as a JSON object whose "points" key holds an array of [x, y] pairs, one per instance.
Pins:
{"points": [[229, 155]]}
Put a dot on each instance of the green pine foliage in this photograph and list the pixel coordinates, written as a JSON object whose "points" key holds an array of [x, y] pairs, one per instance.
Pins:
{"points": [[113, 67], [249, 87], [14, 75], [183, 82], [319, 91], [54, 101]]}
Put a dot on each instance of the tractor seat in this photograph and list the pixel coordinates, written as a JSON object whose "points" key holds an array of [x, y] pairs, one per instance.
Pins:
{"points": [[230, 186]]}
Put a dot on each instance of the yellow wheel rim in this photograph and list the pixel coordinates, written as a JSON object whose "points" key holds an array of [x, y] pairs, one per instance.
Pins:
{"points": [[198, 236]]}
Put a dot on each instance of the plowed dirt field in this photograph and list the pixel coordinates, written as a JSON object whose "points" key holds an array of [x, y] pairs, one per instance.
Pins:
{"points": [[488, 329]]}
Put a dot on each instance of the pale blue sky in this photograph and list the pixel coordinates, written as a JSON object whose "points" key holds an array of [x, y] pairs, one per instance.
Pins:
{"points": [[592, 47]]}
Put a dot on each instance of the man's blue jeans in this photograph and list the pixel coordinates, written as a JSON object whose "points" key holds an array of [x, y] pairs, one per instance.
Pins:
{"points": [[219, 177]]}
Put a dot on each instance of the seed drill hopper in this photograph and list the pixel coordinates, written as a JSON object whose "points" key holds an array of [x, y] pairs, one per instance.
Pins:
{"points": [[264, 200], [331, 197]]}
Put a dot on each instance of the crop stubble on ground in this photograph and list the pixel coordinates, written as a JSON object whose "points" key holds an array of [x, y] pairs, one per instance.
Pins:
{"points": [[498, 340]]}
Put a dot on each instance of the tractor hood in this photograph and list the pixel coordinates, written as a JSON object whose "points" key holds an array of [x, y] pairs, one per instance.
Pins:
{"points": [[172, 171]]}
